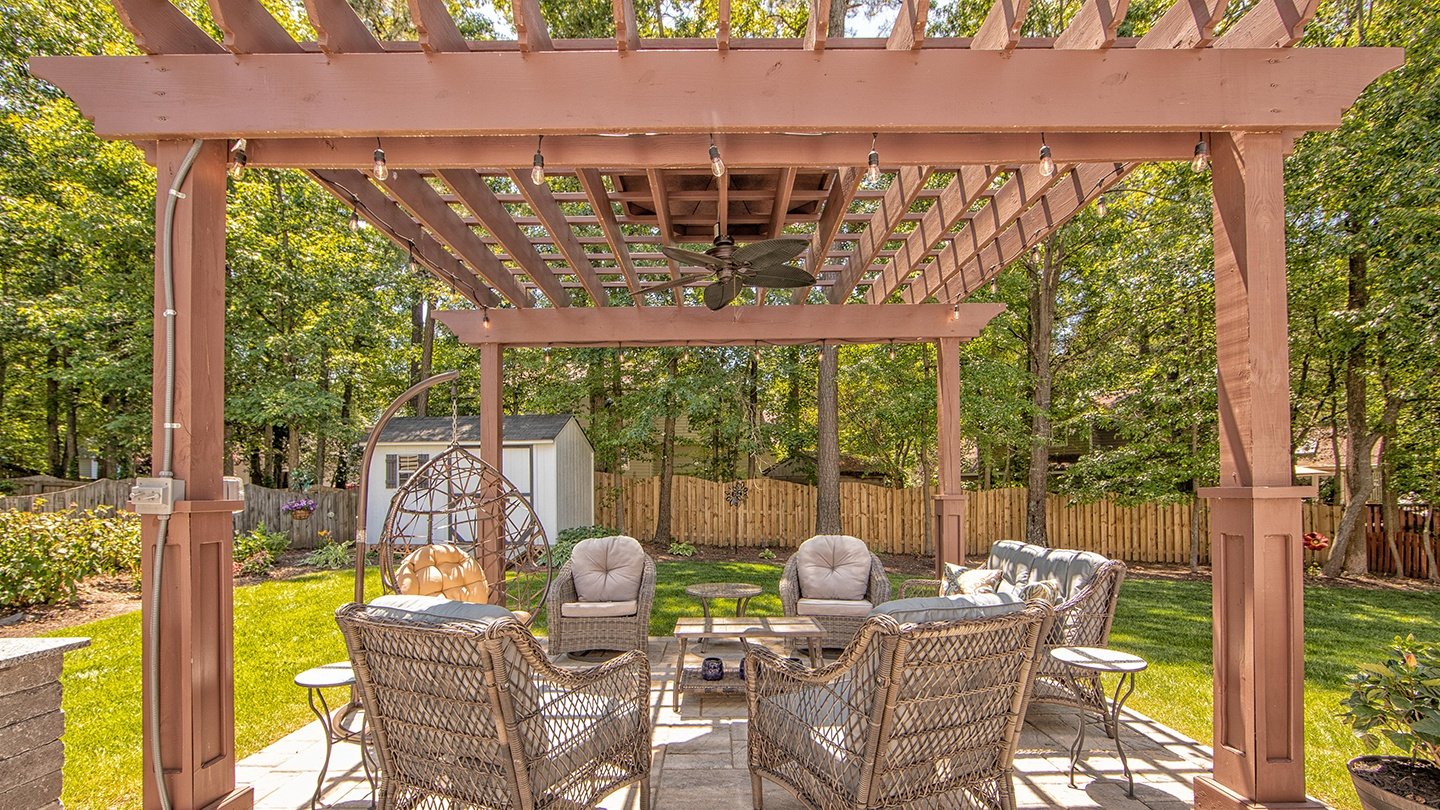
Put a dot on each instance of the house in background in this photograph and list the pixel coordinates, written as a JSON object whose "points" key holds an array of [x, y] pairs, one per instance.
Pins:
{"points": [[546, 456]]}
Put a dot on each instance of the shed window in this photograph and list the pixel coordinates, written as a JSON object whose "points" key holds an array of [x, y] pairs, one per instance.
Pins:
{"points": [[400, 466]]}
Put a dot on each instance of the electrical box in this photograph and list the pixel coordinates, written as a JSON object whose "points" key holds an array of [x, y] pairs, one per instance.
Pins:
{"points": [[156, 496], [234, 490]]}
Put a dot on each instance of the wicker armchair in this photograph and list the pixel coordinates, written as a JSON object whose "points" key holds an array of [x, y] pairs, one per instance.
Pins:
{"points": [[911, 716], [1083, 616], [470, 713], [839, 628], [630, 630]]}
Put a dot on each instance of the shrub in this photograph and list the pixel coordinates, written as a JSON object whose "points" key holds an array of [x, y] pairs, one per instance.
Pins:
{"points": [[257, 550], [767, 554], [566, 540], [1399, 700], [45, 555], [680, 549], [334, 555]]}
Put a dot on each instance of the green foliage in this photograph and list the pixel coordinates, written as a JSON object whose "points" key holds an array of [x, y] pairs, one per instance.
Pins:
{"points": [[256, 551], [564, 543], [45, 555], [680, 549], [334, 555], [1398, 700], [767, 554]]}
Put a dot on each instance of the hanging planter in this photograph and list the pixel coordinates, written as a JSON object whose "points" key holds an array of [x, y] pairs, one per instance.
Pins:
{"points": [[299, 508]]}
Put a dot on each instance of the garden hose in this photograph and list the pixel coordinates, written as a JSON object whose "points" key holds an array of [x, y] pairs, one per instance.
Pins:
{"points": [[167, 444]]}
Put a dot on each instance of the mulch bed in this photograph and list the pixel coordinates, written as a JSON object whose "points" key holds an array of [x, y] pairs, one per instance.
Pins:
{"points": [[1412, 779]]}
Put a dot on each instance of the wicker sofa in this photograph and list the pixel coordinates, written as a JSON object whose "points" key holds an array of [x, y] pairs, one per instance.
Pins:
{"points": [[602, 597], [835, 580], [466, 710], [1089, 589], [912, 715]]}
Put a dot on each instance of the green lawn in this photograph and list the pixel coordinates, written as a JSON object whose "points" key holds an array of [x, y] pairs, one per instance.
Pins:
{"points": [[284, 627]]}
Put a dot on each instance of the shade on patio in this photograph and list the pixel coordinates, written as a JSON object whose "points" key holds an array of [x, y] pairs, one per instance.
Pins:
{"points": [[632, 121]]}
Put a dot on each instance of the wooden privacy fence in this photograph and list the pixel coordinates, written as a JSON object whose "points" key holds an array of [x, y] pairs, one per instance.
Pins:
{"points": [[780, 515], [83, 497]]}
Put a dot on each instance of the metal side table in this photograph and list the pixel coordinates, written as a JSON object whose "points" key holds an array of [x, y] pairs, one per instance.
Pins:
{"points": [[331, 676], [1102, 660]]}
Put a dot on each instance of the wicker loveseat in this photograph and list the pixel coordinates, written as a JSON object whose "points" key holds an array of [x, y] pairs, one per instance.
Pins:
{"points": [[467, 711], [835, 580], [923, 715], [1089, 586], [601, 598]]}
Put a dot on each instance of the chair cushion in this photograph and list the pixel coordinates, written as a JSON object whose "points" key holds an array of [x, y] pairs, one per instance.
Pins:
{"points": [[598, 610], [608, 569], [833, 607], [1023, 562], [949, 608], [438, 607], [442, 570], [833, 566]]}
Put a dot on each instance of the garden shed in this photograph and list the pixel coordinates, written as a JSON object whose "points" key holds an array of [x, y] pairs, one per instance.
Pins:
{"points": [[547, 456]]}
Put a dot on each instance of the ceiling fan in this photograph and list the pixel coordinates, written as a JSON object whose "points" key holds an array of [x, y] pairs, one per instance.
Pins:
{"points": [[758, 264]]}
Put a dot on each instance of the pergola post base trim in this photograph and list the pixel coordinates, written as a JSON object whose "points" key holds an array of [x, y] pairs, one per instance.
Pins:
{"points": [[1211, 795]]}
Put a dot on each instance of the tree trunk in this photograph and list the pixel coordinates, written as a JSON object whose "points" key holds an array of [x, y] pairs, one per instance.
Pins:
{"points": [[55, 454], [427, 350], [417, 337], [837, 17], [1195, 503], [71, 458], [667, 458], [1390, 509], [1347, 556], [753, 416], [827, 443], [1044, 283], [927, 524], [1427, 540]]}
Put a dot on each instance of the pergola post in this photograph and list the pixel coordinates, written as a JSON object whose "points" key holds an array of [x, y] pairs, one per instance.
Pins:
{"points": [[196, 710], [492, 444], [949, 498], [1255, 512]]}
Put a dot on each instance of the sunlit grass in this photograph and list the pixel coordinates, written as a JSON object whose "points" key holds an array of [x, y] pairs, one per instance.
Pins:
{"points": [[282, 628]]}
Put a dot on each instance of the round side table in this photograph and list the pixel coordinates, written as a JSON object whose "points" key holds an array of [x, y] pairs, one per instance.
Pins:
{"points": [[331, 676], [739, 591], [1102, 660]]}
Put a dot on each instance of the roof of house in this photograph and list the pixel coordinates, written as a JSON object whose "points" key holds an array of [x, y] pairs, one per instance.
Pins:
{"points": [[538, 427]]}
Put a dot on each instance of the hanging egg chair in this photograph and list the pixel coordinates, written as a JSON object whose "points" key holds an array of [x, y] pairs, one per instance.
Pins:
{"points": [[460, 529]]}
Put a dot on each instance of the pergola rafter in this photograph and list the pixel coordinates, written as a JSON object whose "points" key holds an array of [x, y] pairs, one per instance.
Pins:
{"points": [[631, 120]]}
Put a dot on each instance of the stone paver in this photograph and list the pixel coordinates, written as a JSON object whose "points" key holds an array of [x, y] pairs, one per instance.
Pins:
{"points": [[700, 761]]}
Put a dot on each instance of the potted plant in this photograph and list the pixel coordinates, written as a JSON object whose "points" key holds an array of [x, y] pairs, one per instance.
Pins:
{"points": [[300, 508], [1398, 701]]}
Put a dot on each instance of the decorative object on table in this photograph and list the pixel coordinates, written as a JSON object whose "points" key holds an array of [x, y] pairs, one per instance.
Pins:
{"points": [[602, 597], [408, 662], [835, 580], [300, 508], [334, 724], [1397, 701], [1315, 541], [1099, 660], [792, 631], [712, 669], [961, 756]]}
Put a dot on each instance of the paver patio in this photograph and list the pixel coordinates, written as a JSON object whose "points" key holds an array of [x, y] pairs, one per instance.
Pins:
{"points": [[700, 758]]}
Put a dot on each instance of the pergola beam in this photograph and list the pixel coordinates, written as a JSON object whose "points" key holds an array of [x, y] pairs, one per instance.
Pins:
{"points": [[599, 198], [950, 209], [1094, 25], [817, 28], [627, 31], [417, 94], [842, 193], [530, 27], [339, 30], [437, 29], [658, 192], [902, 193], [732, 326], [247, 27], [908, 32], [159, 27], [542, 202], [475, 194], [1001, 29]]}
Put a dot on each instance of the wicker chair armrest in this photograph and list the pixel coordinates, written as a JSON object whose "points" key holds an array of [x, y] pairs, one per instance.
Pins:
{"points": [[594, 700], [633, 665], [919, 587], [879, 587], [646, 597], [562, 589], [790, 587], [1086, 617]]}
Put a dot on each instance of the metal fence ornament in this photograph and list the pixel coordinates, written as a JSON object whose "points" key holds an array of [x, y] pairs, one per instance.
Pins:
{"points": [[737, 493]]}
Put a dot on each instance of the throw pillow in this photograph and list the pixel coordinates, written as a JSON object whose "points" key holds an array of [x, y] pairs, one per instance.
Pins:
{"points": [[1047, 590], [950, 584], [979, 580]]}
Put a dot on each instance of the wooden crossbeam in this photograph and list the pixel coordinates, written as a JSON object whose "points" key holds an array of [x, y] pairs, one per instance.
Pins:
{"points": [[627, 31], [157, 26], [731, 326], [1270, 24], [667, 227], [530, 27], [354, 189], [438, 32], [817, 28], [1187, 24], [909, 31], [722, 25], [832, 216], [594, 186], [784, 193], [543, 203], [901, 194], [247, 27], [1094, 25], [950, 209], [475, 194], [1001, 29], [338, 29], [412, 191]]}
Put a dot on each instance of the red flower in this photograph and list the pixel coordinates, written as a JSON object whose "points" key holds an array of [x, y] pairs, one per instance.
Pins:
{"points": [[1315, 541]]}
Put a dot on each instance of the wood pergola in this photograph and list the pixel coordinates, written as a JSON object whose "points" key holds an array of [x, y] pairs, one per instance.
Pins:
{"points": [[627, 123]]}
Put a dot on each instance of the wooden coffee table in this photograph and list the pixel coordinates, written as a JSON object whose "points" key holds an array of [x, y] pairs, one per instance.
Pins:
{"points": [[788, 628]]}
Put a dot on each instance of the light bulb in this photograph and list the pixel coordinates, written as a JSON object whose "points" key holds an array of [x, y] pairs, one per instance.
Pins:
{"points": [[892, 352], [485, 320], [237, 168], [717, 166], [955, 313], [412, 264], [1100, 207], [547, 355], [537, 168], [1047, 163], [873, 172], [1201, 161], [378, 168], [355, 222], [685, 355], [238, 158]]}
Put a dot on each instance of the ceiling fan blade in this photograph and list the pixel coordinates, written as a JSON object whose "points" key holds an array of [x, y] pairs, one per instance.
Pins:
{"points": [[771, 251], [670, 285], [720, 293], [691, 258], [779, 276]]}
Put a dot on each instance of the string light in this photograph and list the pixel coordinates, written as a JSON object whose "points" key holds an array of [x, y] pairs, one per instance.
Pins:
{"points": [[1201, 161], [892, 351], [238, 159], [1047, 163], [356, 223], [1101, 208], [717, 166], [537, 163], [485, 318], [955, 313], [547, 355], [378, 168], [873, 172], [411, 263], [685, 355]]}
